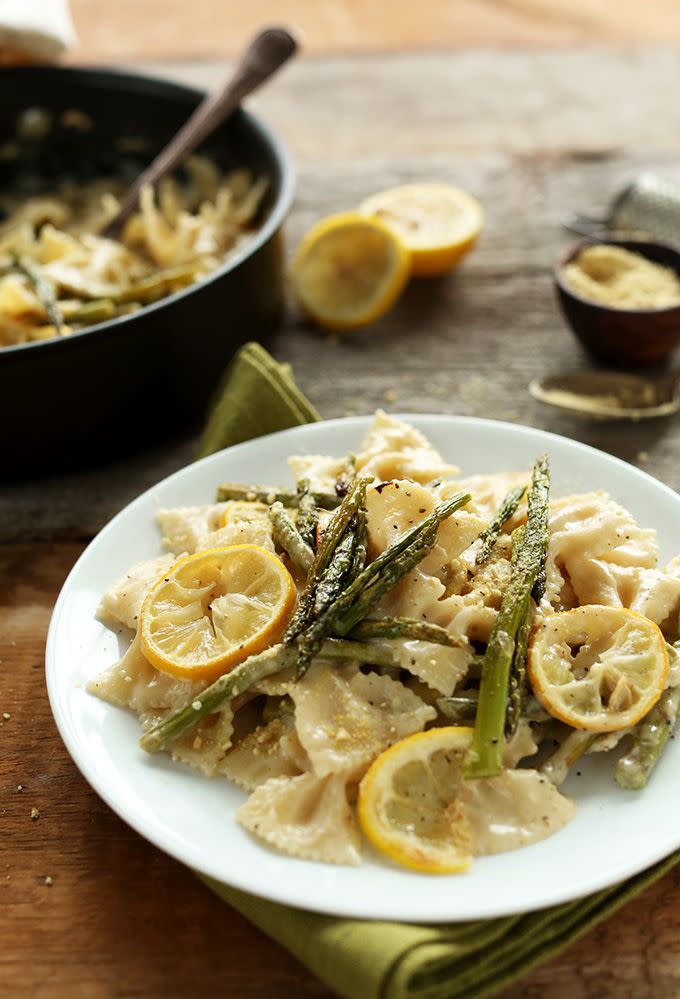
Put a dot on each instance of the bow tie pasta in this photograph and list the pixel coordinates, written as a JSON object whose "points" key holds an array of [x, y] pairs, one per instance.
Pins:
{"points": [[452, 647]]}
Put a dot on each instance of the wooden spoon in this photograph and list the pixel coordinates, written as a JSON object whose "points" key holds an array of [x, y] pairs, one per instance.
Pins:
{"points": [[267, 52], [611, 395]]}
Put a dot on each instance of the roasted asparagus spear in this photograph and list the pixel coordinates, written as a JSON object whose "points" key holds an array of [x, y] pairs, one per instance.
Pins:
{"points": [[485, 757]]}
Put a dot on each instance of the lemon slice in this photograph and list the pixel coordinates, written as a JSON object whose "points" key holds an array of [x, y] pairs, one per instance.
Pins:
{"points": [[598, 668], [212, 610], [406, 801], [437, 222], [349, 270]]}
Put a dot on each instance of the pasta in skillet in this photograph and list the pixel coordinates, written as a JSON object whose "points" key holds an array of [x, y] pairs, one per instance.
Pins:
{"points": [[327, 650], [59, 274]]}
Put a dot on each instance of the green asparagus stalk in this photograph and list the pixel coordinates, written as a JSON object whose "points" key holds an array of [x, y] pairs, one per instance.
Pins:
{"points": [[214, 697], [485, 756], [369, 653], [335, 530], [328, 590], [517, 681], [244, 676], [404, 627], [308, 514], [518, 671], [86, 313], [158, 285], [377, 579], [390, 566], [287, 537], [43, 288], [272, 494], [360, 544], [490, 535], [556, 767], [649, 738], [333, 580], [462, 708]]}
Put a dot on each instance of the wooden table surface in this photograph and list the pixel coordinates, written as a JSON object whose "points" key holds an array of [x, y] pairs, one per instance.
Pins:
{"points": [[533, 135], [175, 29]]}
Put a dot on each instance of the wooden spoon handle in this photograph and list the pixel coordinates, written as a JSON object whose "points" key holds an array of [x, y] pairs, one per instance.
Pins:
{"points": [[267, 52]]}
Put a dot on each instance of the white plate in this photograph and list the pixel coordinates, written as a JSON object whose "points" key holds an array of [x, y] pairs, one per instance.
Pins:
{"points": [[615, 833]]}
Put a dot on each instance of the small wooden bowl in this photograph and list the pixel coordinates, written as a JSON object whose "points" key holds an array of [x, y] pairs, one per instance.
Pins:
{"points": [[625, 338]]}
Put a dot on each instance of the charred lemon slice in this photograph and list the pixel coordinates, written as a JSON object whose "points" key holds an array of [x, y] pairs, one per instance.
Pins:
{"points": [[598, 668], [406, 801], [212, 610]]}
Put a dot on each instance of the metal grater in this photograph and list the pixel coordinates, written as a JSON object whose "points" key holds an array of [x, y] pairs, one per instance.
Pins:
{"points": [[649, 207]]}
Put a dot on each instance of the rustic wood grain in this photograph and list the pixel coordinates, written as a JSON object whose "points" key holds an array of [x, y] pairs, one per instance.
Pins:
{"points": [[165, 29], [533, 135]]}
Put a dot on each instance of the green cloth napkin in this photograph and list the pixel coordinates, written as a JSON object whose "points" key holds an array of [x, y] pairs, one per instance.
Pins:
{"points": [[361, 959], [256, 396]]}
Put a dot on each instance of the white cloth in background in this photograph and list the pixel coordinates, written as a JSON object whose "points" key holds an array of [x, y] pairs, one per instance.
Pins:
{"points": [[43, 29]]}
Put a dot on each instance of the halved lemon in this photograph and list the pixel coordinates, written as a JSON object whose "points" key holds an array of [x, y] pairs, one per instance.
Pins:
{"points": [[407, 798], [438, 223], [212, 610], [349, 270], [598, 668]]}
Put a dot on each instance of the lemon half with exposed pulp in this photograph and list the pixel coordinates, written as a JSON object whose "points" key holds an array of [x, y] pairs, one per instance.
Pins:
{"points": [[598, 668], [438, 223], [212, 610], [349, 270], [406, 804]]}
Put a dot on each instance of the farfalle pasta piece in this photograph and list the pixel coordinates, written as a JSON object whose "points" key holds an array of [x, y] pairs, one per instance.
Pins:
{"points": [[272, 750], [394, 506], [520, 745], [257, 531], [655, 593], [320, 470], [184, 527], [121, 604], [515, 809], [466, 607], [488, 492], [345, 718], [306, 816], [439, 666], [133, 682], [207, 745], [194, 528], [591, 536], [425, 593], [393, 449]]}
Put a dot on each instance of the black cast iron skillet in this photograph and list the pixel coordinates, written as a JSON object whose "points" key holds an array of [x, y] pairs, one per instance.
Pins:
{"points": [[130, 381]]}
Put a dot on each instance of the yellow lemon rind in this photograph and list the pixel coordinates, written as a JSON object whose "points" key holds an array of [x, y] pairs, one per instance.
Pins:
{"points": [[213, 668], [599, 723], [398, 846], [388, 294], [437, 258]]}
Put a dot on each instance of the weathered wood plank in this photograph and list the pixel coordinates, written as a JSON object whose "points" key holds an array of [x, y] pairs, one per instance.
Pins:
{"points": [[468, 344], [172, 28]]}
